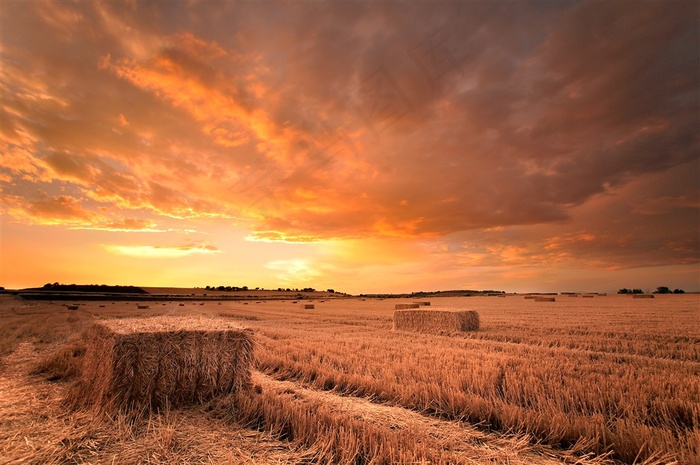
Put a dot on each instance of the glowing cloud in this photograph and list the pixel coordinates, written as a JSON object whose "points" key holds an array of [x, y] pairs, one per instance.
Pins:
{"points": [[157, 251], [294, 270]]}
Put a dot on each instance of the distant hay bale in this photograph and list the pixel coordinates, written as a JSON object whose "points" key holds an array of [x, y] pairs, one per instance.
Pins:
{"points": [[545, 299], [530, 296], [423, 304], [436, 320], [181, 305], [309, 306], [138, 365], [587, 296], [142, 307], [72, 307], [643, 296], [405, 306]]}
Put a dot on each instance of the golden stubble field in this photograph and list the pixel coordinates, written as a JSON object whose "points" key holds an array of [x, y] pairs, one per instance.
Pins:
{"points": [[607, 379]]}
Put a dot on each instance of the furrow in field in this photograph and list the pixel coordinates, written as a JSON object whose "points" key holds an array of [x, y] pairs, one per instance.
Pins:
{"points": [[341, 429]]}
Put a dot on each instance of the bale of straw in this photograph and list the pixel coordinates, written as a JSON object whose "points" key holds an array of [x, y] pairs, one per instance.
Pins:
{"points": [[142, 307], [545, 299], [309, 306], [405, 306], [72, 307], [138, 365], [530, 296], [643, 296], [436, 320], [587, 296], [423, 304]]}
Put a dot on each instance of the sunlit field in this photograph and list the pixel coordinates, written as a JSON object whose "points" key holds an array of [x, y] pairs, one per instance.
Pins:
{"points": [[607, 379]]}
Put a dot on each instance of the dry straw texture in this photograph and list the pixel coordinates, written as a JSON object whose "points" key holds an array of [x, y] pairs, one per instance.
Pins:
{"points": [[147, 364], [436, 320], [405, 306]]}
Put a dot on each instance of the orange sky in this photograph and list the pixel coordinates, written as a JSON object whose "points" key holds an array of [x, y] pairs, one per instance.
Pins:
{"points": [[521, 146]]}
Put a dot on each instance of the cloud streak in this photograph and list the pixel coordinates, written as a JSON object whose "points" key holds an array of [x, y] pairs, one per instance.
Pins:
{"points": [[159, 251]]}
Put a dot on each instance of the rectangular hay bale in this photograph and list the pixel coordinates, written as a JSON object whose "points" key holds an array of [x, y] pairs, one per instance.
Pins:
{"points": [[545, 299], [309, 306], [436, 320], [405, 306], [138, 365]]}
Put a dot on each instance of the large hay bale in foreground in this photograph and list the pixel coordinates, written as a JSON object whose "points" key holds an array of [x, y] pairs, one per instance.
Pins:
{"points": [[140, 365], [436, 320]]}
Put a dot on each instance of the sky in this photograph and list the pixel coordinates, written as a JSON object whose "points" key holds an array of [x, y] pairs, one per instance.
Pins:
{"points": [[365, 147]]}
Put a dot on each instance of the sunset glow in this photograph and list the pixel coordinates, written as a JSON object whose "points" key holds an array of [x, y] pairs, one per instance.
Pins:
{"points": [[520, 146]]}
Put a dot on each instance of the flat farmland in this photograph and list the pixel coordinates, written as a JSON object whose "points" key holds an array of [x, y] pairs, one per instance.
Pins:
{"points": [[607, 379]]}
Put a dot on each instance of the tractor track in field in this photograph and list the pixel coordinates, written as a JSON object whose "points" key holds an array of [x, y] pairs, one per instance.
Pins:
{"points": [[442, 441]]}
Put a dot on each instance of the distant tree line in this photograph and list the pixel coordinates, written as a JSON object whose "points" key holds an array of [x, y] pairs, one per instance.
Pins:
{"points": [[227, 288], [245, 288], [659, 290], [57, 287]]}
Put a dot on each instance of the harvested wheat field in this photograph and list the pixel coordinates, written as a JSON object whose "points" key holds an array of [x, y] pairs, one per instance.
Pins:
{"points": [[608, 380]]}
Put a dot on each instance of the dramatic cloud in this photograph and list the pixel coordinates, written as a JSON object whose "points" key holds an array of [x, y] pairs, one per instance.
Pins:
{"points": [[488, 135]]}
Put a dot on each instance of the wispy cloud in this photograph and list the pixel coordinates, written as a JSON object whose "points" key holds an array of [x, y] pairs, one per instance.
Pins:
{"points": [[159, 251]]}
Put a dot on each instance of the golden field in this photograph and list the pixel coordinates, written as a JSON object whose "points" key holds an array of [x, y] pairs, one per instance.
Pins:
{"points": [[608, 379]]}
